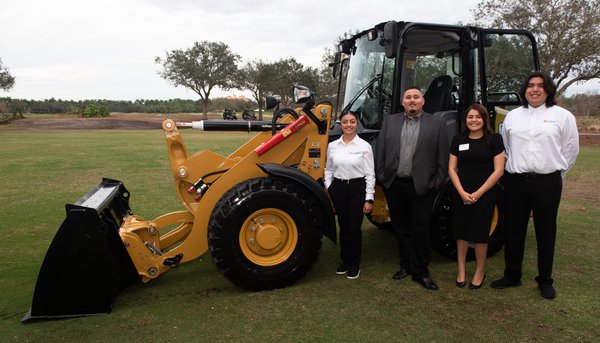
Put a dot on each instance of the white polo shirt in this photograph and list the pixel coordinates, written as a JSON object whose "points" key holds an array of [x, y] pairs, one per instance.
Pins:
{"points": [[540, 140], [351, 161]]}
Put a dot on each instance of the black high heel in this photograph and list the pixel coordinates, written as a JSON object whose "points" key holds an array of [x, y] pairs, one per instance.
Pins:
{"points": [[461, 284], [474, 286]]}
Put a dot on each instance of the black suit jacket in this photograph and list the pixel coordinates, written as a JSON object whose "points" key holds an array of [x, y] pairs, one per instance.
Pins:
{"points": [[430, 159]]}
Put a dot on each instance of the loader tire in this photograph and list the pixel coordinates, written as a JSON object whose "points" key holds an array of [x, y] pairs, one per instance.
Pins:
{"points": [[265, 233], [442, 233]]}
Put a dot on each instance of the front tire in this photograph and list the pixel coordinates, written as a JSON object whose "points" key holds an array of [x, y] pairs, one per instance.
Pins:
{"points": [[265, 233]]}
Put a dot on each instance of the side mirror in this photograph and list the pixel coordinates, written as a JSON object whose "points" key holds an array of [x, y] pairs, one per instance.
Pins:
{"points": [[272, 101], [302, 94], [390, 38]]}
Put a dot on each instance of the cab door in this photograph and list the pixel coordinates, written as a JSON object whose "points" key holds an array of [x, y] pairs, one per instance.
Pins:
{"points": [[505, 58]]}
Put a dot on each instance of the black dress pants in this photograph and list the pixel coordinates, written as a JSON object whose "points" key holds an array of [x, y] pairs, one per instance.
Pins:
{"points": [[348, 197], [526, 193], [411, 215]]}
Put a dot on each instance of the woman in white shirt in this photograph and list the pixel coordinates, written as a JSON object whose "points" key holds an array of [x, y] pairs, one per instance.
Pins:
{"points": [[350, 181]]}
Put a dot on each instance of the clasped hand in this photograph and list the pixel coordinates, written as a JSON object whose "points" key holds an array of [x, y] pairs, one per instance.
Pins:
{"points": [[468, 199]]}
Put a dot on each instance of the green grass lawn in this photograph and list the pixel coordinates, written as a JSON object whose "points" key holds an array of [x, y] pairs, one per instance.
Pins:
{"points": [[42, 171]]}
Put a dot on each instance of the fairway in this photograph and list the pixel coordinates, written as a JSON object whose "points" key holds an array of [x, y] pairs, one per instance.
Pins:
{"points": [[41, 171]]}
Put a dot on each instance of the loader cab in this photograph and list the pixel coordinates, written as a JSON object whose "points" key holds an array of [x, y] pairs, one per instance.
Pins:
{"points": [[454, 66]]}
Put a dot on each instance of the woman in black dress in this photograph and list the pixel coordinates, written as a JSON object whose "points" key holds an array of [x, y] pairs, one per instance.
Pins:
{"points": [[475, 166]]}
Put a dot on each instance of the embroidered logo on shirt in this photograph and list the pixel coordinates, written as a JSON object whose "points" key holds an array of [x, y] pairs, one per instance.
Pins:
{"points": [[550, 121]]}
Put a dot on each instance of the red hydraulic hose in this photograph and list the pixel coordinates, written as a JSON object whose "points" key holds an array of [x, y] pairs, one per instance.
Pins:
{"points": [[293, 127]]}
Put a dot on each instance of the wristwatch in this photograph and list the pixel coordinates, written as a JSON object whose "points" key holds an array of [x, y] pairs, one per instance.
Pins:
{"points": [[370, 201]]}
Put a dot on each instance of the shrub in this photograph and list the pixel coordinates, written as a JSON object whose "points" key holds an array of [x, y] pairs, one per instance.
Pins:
{"points": [[93, 110]]}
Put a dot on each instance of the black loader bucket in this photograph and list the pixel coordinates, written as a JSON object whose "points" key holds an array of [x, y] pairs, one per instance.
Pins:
{"points": [[87, 264]]}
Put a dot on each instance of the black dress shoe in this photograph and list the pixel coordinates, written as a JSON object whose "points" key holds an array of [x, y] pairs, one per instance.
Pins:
{"points": [[505, 283], [461, 284], [401, 274], [426, 282], [547, 291], [474, 286]]}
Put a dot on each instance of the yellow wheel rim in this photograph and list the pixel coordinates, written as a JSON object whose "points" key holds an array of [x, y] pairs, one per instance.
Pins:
{"points": [[494, 223], [268, 237]]}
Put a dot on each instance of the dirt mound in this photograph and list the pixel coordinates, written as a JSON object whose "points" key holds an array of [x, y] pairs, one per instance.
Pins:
{"points": [[86, 124], [589, 138], [119, 121]]}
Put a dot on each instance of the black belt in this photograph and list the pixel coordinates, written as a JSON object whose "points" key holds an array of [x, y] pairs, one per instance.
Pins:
{"points": [[404, 179], [535, 175], [358, 179]]}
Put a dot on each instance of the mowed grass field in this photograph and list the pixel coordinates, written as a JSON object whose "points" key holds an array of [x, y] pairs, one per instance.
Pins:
{"points": [[42, 171]]}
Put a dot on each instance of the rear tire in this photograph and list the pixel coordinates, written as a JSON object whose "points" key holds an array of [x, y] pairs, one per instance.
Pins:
{"points": [[442, 232], [265, 233]]}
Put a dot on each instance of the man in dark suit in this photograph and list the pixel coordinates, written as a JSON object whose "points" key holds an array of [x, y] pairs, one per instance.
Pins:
{"points": [[412, 164]]}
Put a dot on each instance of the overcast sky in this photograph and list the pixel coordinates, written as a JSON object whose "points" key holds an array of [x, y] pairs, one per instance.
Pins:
{"points": [[105, 49]]}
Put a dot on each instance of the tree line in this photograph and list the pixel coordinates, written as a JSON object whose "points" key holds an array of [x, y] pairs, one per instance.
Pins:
{"points": [[102, 107], [580, 104]]}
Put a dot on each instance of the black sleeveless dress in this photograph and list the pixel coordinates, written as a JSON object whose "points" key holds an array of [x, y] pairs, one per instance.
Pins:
{"points": [[475, 164]]}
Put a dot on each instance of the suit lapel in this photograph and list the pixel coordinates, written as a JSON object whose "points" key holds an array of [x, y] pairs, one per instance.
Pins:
{"points": [[401, 123], [397, 147], [422, 127]]}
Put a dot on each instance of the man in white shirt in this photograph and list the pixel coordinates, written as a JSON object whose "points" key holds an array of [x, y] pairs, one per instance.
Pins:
{"points": [[542, 143]]}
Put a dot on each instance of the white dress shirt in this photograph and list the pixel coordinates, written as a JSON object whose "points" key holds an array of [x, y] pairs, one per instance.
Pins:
{"points": [[540, 140], [351, 161]]}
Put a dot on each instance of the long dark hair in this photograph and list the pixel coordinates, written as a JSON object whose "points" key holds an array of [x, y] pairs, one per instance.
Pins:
{"points": [[549, 88], [487, 128]]}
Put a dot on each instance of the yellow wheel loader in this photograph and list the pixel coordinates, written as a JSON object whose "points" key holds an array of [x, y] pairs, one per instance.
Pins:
{"points": [[263, 210]]}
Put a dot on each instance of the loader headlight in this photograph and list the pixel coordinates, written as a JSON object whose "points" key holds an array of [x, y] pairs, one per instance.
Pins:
{"points": [[301, 94], [372, 35]]}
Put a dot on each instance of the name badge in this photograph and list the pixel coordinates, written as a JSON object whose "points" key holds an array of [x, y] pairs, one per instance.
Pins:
{"points": [[463, 147]]}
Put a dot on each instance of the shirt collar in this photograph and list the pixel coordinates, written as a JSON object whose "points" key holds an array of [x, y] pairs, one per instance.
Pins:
{"points": [[352, 142], [415, 117], [538, 109]]}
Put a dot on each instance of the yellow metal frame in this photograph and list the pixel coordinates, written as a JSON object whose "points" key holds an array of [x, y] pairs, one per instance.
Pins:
{"points": [[151, 250]]}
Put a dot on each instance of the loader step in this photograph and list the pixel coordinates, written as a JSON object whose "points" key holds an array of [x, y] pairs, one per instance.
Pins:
{"points": [[173, 261]]}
